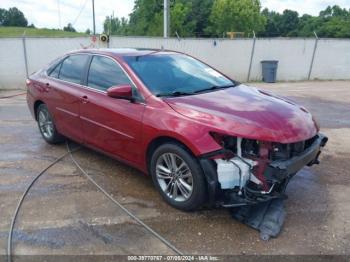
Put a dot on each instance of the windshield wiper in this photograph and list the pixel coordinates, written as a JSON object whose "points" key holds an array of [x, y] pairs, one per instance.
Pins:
{"points": [[182, 93], [214, 88], [175, 93]]}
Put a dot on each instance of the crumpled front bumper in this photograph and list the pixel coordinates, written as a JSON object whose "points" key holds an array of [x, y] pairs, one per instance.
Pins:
{"points": [[278, 170]]}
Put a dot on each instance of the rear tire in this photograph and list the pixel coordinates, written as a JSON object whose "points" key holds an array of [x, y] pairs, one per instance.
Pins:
{"points": [[47, 126], [178, 177]]}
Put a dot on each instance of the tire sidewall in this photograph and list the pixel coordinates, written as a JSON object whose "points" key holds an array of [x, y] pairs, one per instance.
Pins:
{"points": [[197, 197], [56, 137]]}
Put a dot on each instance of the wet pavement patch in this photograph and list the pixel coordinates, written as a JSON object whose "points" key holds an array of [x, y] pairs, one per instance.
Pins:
{"points": [[43, 238]]}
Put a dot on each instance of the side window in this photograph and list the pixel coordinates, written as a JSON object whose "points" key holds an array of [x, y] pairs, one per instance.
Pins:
{"points": [[55, 71], [104, 73], [72, 68]]}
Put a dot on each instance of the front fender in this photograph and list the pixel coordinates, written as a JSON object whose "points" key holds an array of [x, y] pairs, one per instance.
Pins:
{"points": [[165, 122]]}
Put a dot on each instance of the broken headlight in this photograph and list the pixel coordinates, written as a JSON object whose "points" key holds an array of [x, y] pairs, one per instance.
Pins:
{"points": [[249, 147]]}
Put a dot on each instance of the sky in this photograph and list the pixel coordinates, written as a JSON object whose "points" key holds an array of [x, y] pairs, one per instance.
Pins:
{"points": [[58, 13]]}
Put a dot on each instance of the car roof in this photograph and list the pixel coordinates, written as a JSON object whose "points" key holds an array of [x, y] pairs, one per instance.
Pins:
{"points": [[122, 51]]}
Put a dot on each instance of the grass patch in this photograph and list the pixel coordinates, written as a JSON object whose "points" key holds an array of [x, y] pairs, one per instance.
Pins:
{"points": [[9, 31]]}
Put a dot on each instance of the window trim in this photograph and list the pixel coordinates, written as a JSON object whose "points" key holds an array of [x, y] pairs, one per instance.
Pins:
{"points": [[86, 78], [83, 69], [86, 72], [53, 68], [141, 99]]}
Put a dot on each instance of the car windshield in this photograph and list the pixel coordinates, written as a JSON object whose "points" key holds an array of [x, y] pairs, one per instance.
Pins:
{"points": [[176, 74]]}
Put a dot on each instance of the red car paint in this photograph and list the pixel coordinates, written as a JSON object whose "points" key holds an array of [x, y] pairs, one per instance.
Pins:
{"points": [[247, 112], [124, 129]]}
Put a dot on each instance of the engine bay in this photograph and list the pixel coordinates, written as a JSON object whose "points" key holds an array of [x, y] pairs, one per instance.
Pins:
{"points": [[250, 171]]}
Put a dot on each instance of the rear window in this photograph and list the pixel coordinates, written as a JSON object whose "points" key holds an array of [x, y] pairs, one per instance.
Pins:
{"points": [[72, 68]]}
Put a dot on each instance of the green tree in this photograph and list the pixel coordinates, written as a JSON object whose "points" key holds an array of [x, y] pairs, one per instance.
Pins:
{"points": [[12, 17], [147, 18], [216, 17], [180, 19], [335, 11], [288, 23], [332, 22], [69, 28], [335, 27], [285, 24], [335, 22], [116, 26], [307, 25], [2, 16], [199, 15], [236, 16], [272, 23]]}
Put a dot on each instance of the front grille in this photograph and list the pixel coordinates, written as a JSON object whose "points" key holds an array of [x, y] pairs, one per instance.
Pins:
{"points": [[286, 151]]}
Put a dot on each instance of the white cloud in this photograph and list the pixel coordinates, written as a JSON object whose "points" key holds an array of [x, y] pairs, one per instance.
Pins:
{"points": [[44, 13]]}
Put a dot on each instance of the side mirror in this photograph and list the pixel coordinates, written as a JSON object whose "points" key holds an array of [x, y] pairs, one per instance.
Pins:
{"points": [[121, 91]]}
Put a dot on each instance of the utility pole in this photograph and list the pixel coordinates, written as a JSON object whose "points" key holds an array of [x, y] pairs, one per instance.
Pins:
{"points": [[166, 23], [93, 16]]}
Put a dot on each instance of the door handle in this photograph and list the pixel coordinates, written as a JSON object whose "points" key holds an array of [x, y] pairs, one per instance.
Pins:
{"points": [[84, 99]]}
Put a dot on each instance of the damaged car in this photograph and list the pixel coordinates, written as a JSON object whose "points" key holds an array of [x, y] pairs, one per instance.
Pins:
{"points": [[205, 138]]}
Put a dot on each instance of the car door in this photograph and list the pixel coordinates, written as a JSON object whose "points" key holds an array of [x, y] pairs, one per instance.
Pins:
{"points": [[64, 85], [110, 124]]}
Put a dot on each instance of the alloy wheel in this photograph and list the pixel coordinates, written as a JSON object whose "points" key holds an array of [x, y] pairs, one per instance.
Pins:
{"points": [[45, 123], [174, 177]]}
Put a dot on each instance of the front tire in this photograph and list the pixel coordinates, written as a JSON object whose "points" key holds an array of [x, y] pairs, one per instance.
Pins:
{"points": [[178, 177], [47, 126]]}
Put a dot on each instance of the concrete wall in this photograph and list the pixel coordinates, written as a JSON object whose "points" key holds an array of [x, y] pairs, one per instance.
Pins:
{"points": [[332, 57], [12, 68], [40, 51], [294, 56], [332, 60]]}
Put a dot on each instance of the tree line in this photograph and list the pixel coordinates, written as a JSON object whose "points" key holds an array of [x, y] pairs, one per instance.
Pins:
{"points": [[13, 17], [214, 18]]}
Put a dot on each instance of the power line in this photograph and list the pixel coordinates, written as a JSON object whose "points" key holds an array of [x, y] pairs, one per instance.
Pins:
{"points": [[59, 13], [81, 10]]}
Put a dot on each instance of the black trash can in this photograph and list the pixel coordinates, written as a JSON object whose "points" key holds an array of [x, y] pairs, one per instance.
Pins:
{"points": [[269, 70]]}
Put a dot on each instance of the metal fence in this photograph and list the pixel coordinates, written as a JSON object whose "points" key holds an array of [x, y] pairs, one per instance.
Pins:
{"points": [[299, 58]]}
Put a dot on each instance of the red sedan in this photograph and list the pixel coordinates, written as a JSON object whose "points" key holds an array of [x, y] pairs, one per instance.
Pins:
{"points": [[203, 137]]}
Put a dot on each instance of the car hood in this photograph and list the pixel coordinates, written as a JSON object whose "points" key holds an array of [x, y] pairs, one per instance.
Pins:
{"points": [[248, 112]]}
